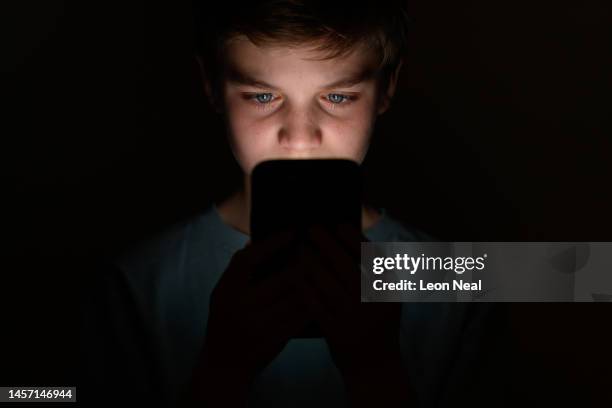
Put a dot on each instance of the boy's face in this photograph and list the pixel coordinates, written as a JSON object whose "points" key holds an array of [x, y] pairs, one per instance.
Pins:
{"points": [[280, 102]]}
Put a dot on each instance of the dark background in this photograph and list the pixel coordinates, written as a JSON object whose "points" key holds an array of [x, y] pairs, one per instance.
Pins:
{"points": [[500, 131]]}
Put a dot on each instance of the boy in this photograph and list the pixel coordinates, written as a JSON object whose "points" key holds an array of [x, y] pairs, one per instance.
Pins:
{"points": [[293, 79]]}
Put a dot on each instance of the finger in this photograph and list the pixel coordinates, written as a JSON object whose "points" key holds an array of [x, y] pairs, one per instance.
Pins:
{"points": [[329, 290], [246, 260], [284, 319], [351, 238], [273, 287], [339, 261], [261, 251], [315, 305]]}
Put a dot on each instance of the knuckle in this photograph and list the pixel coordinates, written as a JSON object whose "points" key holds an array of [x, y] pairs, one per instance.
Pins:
{"points": [[239, 257], [214, 296]]}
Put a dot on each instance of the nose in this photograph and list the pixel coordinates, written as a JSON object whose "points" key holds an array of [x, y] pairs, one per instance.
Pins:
{"points": [[300, 131]]}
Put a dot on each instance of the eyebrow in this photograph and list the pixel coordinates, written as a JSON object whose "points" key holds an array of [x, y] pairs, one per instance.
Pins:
{"points": [[234, 75]]}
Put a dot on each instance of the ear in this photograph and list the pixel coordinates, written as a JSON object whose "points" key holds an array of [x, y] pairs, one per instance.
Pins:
{"points": [[387, 95], [208, 87]]}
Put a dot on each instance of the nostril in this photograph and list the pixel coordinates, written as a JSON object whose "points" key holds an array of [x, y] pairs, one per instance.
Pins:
{"points": [[300, 141]]}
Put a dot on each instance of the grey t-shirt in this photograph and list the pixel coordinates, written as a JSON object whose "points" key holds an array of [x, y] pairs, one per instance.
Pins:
{"points": [[144, 321]]}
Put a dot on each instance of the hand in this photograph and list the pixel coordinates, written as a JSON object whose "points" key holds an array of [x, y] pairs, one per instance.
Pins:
{"points": [[249, 322], [363, 338]]}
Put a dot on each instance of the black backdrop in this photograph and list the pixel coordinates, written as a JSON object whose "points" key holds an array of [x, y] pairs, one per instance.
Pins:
{"points": [[499, 131]]}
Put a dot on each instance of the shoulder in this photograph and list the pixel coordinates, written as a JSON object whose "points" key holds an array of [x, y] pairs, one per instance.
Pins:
{"points": [[167, 250], [389, 228]]}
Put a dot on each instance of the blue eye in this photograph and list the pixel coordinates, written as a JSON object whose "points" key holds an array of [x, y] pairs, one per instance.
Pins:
{"points": [[263, 97], [337, 98]]}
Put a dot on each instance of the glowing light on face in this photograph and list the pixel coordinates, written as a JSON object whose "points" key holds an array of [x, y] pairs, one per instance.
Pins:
{"points": [[283, 102]]}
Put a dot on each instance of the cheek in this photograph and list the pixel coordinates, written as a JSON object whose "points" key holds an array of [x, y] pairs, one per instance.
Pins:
{"points": [[350, 137], [250, 139]]}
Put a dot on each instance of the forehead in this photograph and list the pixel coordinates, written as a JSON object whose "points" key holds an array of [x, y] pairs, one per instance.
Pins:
{"points": [[280, 62]]}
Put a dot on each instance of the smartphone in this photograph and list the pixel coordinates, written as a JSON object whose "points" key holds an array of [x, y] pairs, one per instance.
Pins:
{"points": [[296, 193], [293, 194]]}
